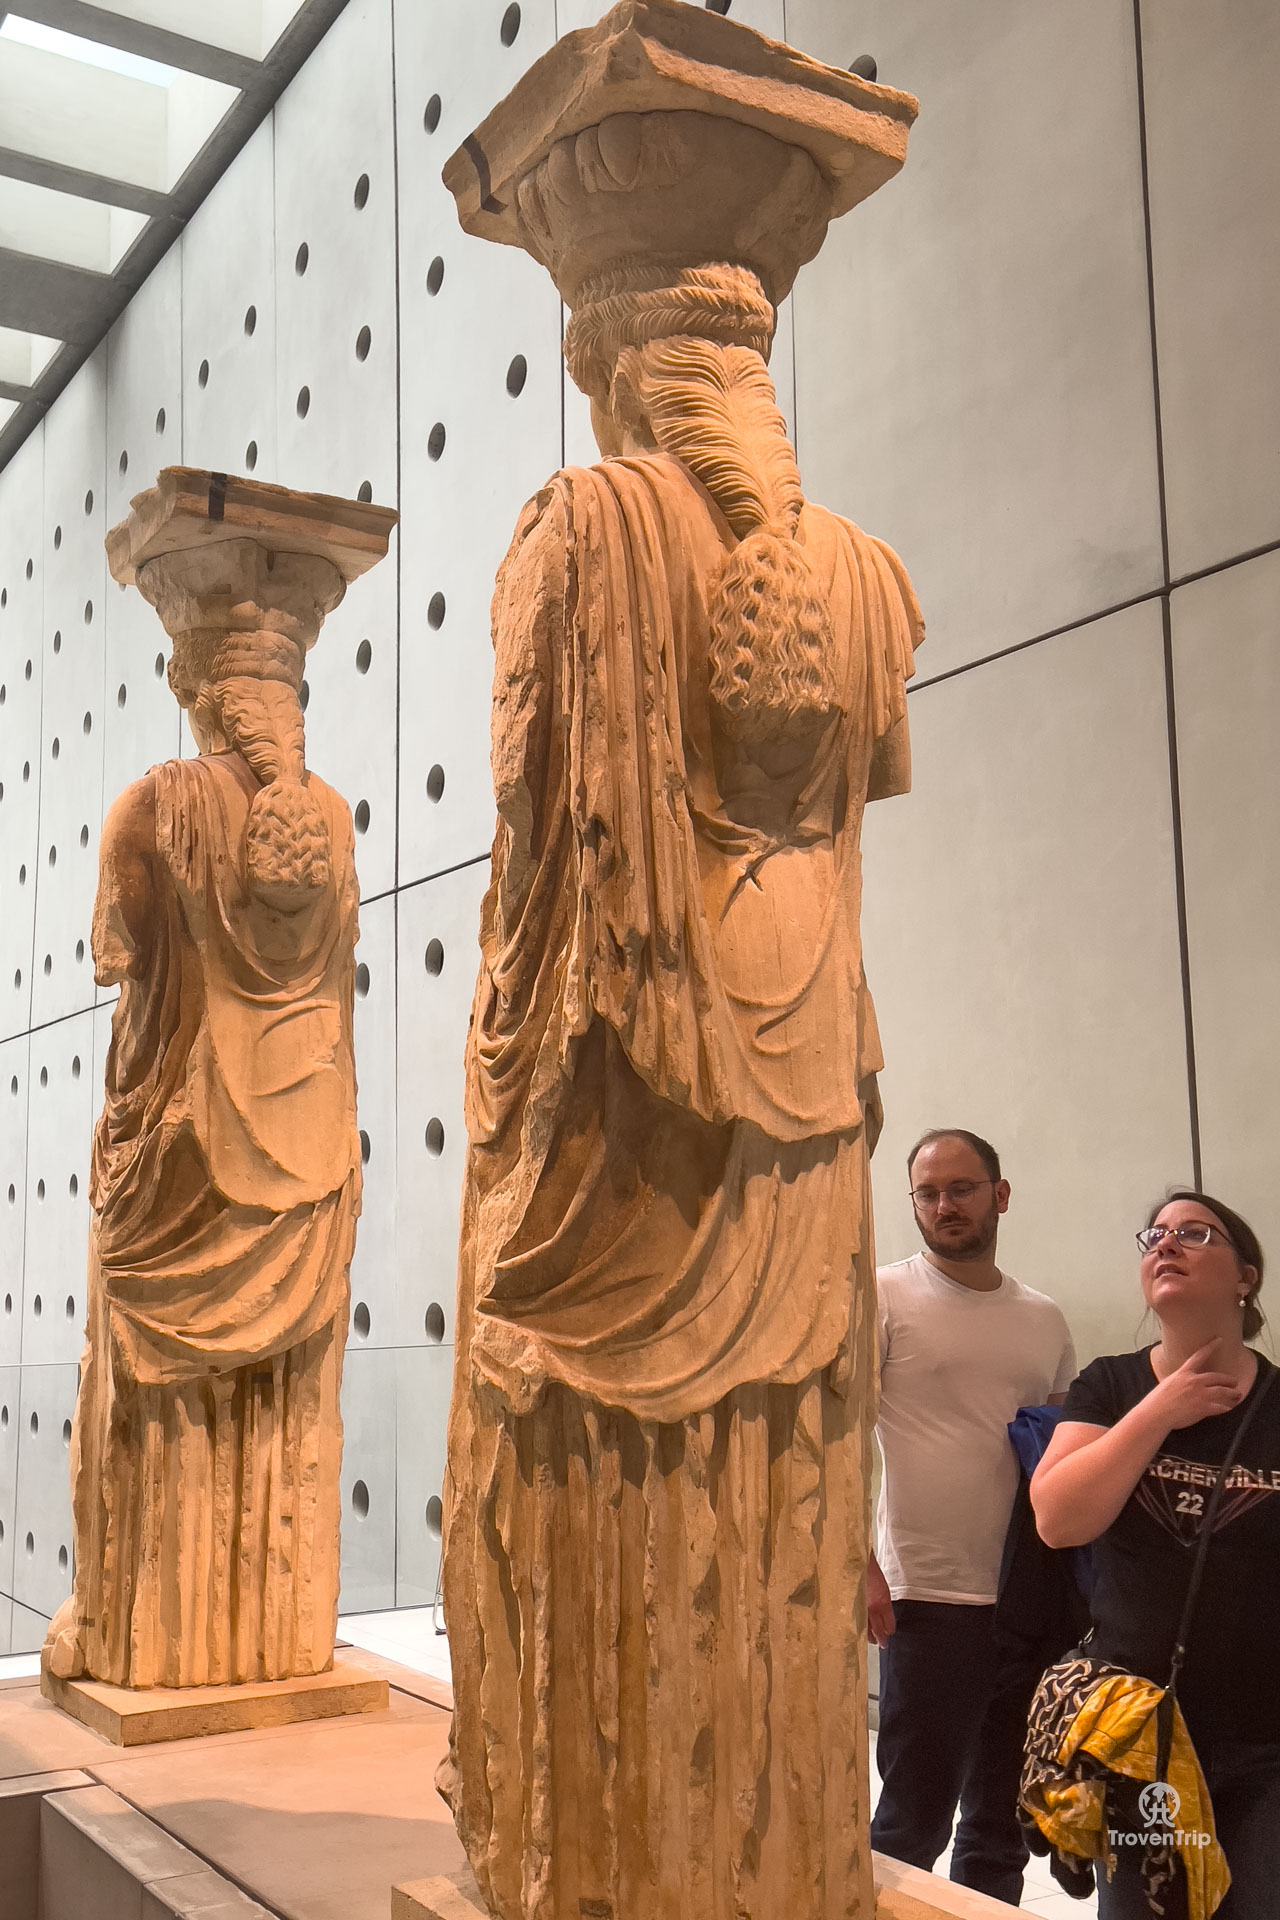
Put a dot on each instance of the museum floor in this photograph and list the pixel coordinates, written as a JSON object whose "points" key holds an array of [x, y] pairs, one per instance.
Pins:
{"points": [[318, 1821]]}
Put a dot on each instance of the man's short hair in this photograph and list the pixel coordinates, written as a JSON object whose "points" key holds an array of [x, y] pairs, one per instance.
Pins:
{"points": [[983, 1148]]}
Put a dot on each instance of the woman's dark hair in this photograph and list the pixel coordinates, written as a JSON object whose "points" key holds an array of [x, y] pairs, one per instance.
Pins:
{"points": [[983, 1148], [1239, 1233]]}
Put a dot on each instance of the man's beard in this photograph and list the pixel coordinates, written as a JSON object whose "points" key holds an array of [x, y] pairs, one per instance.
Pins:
{"points": [[966, 1246]]}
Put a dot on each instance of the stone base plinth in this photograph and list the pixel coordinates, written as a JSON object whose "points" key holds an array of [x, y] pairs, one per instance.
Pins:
{"points": [[134, 1717], [902, 1893]]}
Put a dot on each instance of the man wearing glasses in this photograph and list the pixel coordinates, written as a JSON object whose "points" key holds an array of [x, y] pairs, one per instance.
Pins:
{"points": [[962, 1347]]}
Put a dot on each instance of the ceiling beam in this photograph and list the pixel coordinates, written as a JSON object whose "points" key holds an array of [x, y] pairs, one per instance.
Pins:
{"points": [[86, 186], [137, 36]]}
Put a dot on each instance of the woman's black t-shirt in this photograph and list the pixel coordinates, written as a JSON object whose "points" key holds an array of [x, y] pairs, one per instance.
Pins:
{"points": [[1230, 1682]]}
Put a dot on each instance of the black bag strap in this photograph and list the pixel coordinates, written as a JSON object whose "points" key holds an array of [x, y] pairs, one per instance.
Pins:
{"points": [[1164, 1713]]}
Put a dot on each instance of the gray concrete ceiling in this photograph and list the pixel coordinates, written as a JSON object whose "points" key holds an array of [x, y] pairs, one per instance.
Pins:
{"points": [[116, 118]]}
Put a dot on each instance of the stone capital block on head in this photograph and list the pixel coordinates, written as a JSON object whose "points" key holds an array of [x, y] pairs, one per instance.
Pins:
{"points": [[226, 1167], [655, 1530]]}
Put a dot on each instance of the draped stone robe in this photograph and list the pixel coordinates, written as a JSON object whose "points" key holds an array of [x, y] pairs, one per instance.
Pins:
{"points": [[656, 1511], [226, 1184]]}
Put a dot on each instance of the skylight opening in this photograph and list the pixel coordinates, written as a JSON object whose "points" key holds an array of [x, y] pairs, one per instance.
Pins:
{"points": [[94, 53]]}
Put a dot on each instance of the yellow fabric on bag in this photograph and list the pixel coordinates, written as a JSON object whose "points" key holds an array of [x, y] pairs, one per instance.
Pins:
{"points": [[1116, 1726]]}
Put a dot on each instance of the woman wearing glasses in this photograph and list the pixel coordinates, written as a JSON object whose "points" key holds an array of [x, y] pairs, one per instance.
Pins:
{"points": [[1131, 1469]]}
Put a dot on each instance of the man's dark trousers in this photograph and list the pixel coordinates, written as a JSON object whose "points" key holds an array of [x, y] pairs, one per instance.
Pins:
{"points": [[952, 1722]]}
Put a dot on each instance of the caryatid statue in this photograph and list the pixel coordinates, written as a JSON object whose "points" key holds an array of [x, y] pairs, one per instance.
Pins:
{"points": [[658, 1466], [207, 1439]]}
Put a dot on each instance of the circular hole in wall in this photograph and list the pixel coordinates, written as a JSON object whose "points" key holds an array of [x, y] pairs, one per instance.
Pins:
{"points": [[364, 657], [431, 113], [17, 976], [48, 969], [88, 501], [4, 598], [364, 340], [57, 538], [56, 747], [79, 952], [435, 611], [160, 418], [39, 1196], [433, 1323], [360, 1321], [84, 836], [53, 856], [250, 319], [13, 1086], [124, 461], [435, 441], [251, 455], [88, 613], [510, 25], [44, 1076], [30, 568], [57, 641], [361, 194], [435, 783], [365, 1148], [26, 771], [435, 1516], [86, 724], [159, 666], [4, 1411], [62, 1559], [362, 817], [435, 275], [22, 874], [365, 491], [304, 695], [31, 1543], [73, 1186], [434, 1137], [13, 1196], [303, 402], [433, 958], [517, 374], [203, 375], [122, 694], [362, 980], [66, 1433], [301, 258], [26, 671], [70, 1307], [75, 1066], [360, 1499]]}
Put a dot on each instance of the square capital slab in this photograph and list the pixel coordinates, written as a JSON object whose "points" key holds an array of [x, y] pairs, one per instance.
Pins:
{"points": [[191, 507]]}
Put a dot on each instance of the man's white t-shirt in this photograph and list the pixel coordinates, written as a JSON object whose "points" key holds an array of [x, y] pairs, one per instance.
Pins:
{"points": [[955, 1366]]}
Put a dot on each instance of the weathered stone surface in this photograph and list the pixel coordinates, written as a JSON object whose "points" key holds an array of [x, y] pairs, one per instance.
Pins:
{"points": [[656, 1509], [226, 1168]]}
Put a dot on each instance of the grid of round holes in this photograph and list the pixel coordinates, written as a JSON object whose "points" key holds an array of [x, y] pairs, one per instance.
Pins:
{"points": [[60, 1124]]}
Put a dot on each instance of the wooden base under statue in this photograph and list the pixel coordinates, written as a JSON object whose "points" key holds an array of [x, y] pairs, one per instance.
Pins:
{"points": [[135, 1717], [902, 1893]]}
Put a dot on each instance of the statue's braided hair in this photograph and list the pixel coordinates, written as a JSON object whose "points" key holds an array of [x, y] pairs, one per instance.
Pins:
{"points": [[688, 362], [251, 686]]}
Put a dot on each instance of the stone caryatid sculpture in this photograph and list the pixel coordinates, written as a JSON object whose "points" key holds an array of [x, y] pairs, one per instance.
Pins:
{"points": [[658, 1465], [226, 1167]]}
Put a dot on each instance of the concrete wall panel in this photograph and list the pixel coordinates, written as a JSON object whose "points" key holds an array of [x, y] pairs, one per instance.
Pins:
{"points": [[368, 1480], [1227, 665], [42, 1521], [23, 543], [1212, 72], [62, 1107], [1022, 949], [14, 1058], [974, 369], [439, 955]]}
